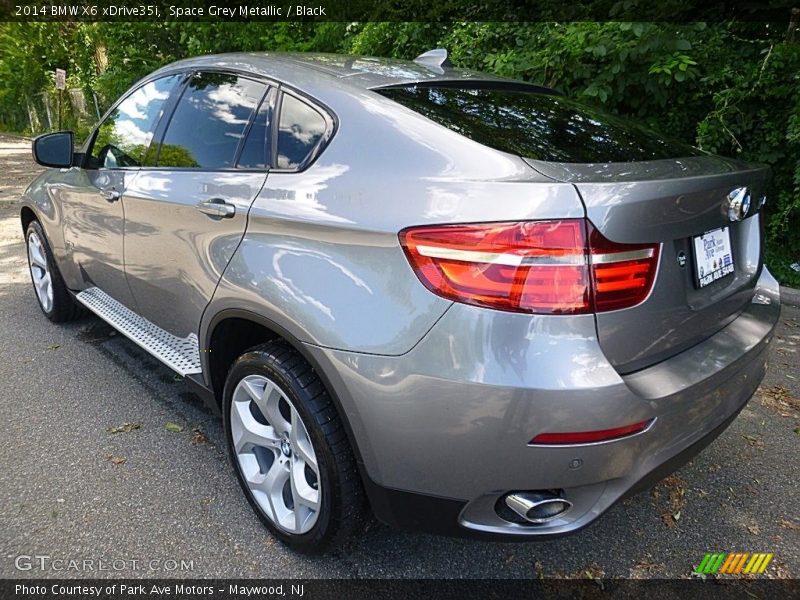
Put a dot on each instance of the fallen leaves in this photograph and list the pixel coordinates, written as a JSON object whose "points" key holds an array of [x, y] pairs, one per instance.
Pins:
{"points": [[754, 441], [117, 460], [781, 571], [787, 524], [754, 488], [198, 437], [125, 428], [592, 571], [675, 488], [54, 346], [780, 400], [645, 568]]}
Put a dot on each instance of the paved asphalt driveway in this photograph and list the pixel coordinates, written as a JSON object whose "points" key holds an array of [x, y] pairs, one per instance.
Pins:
{"points": [[72, 489]]}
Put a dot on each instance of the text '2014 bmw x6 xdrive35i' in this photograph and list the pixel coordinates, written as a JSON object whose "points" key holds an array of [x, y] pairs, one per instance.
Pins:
{"points": [[466, 303]]}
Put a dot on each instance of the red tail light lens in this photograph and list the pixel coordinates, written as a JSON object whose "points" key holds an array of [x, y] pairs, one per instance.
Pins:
{"points": [[590, 437], [538, 267], [622, 274]]}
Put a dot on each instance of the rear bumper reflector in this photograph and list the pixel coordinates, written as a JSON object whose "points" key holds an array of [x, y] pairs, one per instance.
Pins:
{"points": [[591, 437]]}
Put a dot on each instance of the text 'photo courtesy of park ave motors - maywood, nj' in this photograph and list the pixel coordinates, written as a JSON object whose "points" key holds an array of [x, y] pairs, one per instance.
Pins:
{"points": [[169, 589]]}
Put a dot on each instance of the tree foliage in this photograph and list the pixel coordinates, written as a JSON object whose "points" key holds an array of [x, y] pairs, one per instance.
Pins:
{"points": [[728, 87]]}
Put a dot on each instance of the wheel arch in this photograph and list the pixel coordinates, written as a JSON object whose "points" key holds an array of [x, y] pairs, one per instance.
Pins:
{"points": [[213, 367], [38, 205], [27, 215]]}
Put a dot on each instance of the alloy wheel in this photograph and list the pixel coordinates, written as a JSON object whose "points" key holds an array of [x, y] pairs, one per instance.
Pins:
{"points": [[275, 454], [40, 272]]}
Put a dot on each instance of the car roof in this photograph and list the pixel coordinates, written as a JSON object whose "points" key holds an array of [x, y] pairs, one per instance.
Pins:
{"points": [[315, 72]]}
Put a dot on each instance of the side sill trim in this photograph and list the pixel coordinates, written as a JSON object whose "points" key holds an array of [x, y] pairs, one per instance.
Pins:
{"points": [[182, 355]]}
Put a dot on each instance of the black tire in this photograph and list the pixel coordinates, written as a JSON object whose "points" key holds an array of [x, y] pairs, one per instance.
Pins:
{"points": [[64, 307], [343, 505]]}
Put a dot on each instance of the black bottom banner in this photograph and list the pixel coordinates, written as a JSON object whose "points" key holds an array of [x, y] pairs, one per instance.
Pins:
{"points": [[354, 589]]}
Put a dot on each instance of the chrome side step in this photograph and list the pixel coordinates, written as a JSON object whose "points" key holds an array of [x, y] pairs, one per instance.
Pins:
{"points": [[179, 354]]}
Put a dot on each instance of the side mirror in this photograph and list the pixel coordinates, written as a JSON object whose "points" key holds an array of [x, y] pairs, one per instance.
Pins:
{"points": [[54, 150]]}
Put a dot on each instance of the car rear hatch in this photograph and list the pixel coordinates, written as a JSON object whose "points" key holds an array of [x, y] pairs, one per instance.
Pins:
{"points": [[637, 188], [674, 202]]}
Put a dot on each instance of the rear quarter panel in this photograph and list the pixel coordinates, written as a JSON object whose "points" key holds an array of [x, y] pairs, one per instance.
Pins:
{"points": [[321, 255]]}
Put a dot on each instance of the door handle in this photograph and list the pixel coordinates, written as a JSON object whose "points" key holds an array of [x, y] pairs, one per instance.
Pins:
{"points": [[217, 207], [111, 195]]}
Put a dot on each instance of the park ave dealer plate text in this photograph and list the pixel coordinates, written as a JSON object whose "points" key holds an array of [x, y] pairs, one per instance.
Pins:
{"points": [[713, 257]]}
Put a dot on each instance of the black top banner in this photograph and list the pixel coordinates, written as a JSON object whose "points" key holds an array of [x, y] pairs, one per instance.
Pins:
{"points": [[400, 10]]}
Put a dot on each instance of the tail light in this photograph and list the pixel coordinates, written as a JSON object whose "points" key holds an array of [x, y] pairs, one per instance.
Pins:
{"points": [[622, 274], [542, 267]]}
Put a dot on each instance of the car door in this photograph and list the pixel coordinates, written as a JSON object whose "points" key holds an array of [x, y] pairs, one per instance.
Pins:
{"points": [[185, 217], [93, 199]]}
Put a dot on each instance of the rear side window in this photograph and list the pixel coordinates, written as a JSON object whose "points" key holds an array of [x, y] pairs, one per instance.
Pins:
{"points": [[537, 126], [209, 121], [257, 149], [299, 133], [124, 137]]}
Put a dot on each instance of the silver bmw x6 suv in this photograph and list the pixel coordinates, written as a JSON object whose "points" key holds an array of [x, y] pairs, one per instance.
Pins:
{"points": [[469, 304]]}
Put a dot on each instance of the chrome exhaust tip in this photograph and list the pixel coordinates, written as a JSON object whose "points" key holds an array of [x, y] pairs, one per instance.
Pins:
{"points": [[537, 507]]}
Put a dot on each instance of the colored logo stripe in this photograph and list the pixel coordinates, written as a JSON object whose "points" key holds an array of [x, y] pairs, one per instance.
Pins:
{"points": [[758, 563], [734, 563], [731, 560], [711, 563], [740, 564]]}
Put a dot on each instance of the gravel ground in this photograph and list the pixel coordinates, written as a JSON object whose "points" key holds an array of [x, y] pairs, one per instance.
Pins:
{"points": [[71, 489]]}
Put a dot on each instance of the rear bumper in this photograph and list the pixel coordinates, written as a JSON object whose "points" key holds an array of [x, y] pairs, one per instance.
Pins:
{"points": [[443, 430], [418, 512]]}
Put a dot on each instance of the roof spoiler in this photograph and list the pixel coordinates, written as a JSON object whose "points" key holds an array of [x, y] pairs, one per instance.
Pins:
{"points": [[434, 59]]}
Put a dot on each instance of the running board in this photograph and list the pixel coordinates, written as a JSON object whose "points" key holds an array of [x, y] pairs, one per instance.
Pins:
{"points": [[179, 354]]}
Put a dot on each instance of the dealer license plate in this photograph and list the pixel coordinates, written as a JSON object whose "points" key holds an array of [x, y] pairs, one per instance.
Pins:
{"points": [[713, 258]]}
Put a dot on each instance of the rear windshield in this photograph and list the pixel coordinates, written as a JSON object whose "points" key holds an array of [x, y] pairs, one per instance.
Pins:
{"points": [[537, 126]]}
